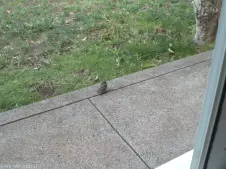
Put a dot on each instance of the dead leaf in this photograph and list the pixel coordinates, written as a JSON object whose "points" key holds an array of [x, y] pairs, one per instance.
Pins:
{"points": [[69, 21], [84, 39], [45, 61], [160, 29], [96, 78], [171, 51], [148, 65]]}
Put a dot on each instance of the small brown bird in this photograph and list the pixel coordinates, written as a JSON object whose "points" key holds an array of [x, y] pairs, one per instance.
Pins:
{"points": [[103, 88]]}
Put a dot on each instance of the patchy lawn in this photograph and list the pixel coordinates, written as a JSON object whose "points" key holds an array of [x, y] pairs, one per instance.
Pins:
{"points": [[50, 47]]}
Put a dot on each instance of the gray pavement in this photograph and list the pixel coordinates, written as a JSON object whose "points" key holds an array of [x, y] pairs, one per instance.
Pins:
{"points": [[147, 119]]}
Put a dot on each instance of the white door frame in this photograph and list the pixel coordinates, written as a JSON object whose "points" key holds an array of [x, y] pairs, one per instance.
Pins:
{"points": [[210, 146]]}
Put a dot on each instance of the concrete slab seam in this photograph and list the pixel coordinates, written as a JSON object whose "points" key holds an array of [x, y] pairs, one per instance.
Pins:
{"points": [[120, 135]]}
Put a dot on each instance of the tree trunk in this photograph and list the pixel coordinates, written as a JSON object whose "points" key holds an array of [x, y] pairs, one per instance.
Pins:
{"points": [[207, 16]]}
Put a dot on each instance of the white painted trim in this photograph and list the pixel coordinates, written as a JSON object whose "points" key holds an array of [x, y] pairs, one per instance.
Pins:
{"points": [[207, 126], [181, 162]]}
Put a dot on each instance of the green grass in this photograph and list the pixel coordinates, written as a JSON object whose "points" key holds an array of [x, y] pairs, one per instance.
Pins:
{"points": [[53, 47]]}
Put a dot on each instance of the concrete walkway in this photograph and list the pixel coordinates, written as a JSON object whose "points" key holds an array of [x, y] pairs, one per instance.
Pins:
{"points": [[147, 119]]}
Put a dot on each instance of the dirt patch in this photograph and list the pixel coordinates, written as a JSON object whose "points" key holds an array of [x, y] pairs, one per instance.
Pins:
{"points": [[160, 29], [82, 72], [46, 91]]}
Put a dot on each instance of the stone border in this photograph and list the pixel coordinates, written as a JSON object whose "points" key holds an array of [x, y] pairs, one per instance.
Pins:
{"points": [[85, 93]]}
